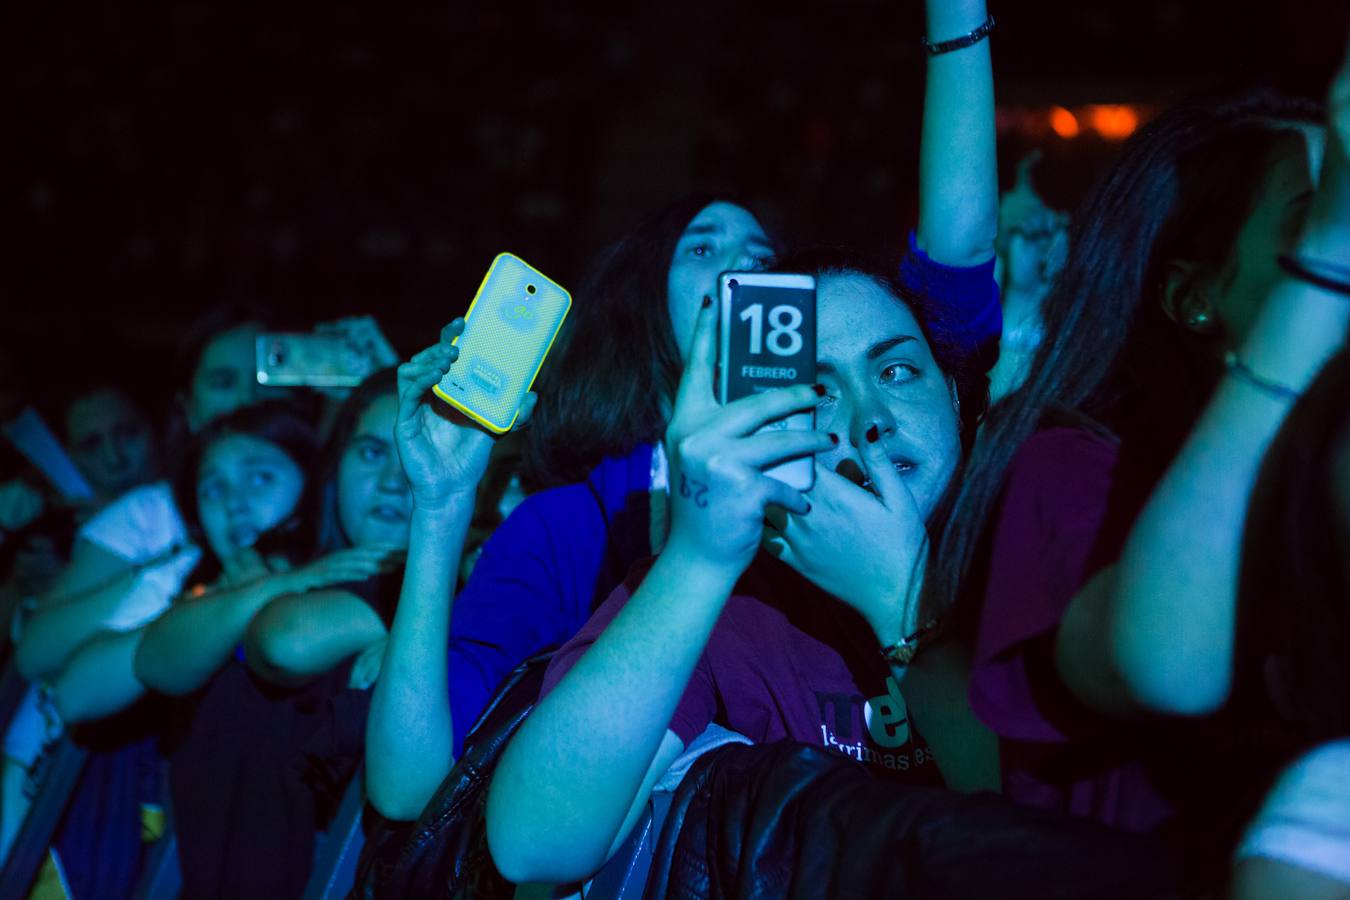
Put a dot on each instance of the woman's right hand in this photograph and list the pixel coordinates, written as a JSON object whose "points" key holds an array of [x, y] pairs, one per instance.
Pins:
{"points": [[719, 491], [340, 567], [444, 455]]}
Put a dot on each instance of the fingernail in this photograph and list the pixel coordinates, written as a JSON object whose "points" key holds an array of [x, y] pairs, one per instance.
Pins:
{"points": [[834, 438], [873, 435], [819, 389], [808, 506], [707, 302]]}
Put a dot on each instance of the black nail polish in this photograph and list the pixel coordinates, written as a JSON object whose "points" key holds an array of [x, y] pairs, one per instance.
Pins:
{"points": [[873, 434], [707, 302], [808, 506], [819, 389], [834, 438]]}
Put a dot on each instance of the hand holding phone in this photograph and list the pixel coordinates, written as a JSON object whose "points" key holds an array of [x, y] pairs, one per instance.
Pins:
{"points": [[767, 341], [508, 331]]}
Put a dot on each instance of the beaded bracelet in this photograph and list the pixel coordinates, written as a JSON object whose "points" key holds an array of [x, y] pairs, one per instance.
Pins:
{"points": [[903, 651], [1319, 273], [1240, 370], [935, 48]]}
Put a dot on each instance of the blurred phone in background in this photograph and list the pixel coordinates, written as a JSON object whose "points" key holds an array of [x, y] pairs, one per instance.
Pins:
{"points": [[310, 360]]}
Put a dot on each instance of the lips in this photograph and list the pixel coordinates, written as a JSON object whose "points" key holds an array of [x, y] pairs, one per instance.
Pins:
{"points": [[242, 535], [904, 466], [391, 515]]}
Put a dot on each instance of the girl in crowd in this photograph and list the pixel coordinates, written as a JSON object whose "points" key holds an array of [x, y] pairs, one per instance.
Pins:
{"points": [[132, 558], [1173, 349], [244, 478], [246, 813], [605, 410], [714, 631]]}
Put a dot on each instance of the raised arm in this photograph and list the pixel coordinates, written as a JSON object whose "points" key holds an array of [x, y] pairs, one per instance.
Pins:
{"points": [[567, 786], [297, 638], [1157, 631], [958, 168], [410, 733]]}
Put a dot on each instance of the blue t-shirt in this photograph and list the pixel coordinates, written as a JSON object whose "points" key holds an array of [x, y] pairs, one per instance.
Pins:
{"points": [[560, 553]]}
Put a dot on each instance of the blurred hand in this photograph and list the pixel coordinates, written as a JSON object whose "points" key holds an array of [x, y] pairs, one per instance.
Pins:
{"points": [[340, 567], [20, 504], [719, 491], [1032, 238], [366, 668], [1326, 232], [364, 335], [444, 454], [868, 549]]}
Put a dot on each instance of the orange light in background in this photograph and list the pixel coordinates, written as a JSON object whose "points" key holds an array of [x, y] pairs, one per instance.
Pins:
{"points": [[1064, 123], [1115, 123]]}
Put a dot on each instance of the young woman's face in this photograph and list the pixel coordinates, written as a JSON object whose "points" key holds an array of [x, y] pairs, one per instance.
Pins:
{"points": [[226, 377], [879, 371], [1270, 229], [373, 498], [723, 237], [245, 486], [110, 441]]}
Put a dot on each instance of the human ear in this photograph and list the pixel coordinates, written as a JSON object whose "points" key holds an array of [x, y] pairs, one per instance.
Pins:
{"points": [[1185, 300]]}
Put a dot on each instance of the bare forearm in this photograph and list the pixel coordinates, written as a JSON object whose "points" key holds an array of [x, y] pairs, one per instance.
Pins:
{"points": [[183, 648], [60, 625], [100, 678], [958, 167], [1171, 612], [571, 775], [410, 732], [299, 637]]}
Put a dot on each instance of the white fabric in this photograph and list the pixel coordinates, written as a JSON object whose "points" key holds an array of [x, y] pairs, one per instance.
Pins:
{"points": [[145, 528], [35, 724], [1305, 820]]}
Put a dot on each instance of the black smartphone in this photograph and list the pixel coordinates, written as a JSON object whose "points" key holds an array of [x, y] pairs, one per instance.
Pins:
{"points": [[767, 340]]}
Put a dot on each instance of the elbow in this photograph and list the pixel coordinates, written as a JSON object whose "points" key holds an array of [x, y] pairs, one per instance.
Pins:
{"points": [[523, 841], [394, 804], [1168, 684]]}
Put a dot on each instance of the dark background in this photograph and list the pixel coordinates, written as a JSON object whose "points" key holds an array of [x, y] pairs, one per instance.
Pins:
{"points": [[359, 157]]}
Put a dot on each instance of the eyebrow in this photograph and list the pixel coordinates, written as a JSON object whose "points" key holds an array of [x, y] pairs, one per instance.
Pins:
{"points": [[700, 230], [371, 436], [874, 351]]}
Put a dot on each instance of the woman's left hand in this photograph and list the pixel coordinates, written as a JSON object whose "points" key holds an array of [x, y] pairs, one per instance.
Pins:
{"points": [[366, 668], [867, 549]]}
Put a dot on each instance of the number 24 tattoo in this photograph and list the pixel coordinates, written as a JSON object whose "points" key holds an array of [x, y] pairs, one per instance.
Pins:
{"points": [[695, 489]]}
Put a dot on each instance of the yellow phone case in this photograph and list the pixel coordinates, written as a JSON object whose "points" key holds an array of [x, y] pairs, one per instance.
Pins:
{"points": [[508, 331]]}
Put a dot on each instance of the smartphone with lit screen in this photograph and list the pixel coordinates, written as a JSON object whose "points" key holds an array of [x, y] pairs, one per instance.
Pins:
{"points": [[767, 340], [509, 328], [309, 360]]}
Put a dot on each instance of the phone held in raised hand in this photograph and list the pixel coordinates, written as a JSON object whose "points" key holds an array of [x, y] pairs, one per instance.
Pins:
{"points": [[310, 360], [509, 328], [767, 340]]}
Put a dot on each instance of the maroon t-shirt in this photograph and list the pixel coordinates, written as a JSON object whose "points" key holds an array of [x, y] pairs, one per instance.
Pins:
{"points": [[786, 660], [1066, 510]]}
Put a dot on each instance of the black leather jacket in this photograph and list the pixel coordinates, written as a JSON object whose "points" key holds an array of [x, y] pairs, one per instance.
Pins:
{"points": [[788, 820]]}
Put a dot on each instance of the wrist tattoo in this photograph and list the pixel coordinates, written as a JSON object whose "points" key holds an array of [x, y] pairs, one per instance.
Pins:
{"points": [[694, 489]]}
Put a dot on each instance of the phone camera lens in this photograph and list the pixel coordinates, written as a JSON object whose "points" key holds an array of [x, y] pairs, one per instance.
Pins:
{"points": [[530, 289]]}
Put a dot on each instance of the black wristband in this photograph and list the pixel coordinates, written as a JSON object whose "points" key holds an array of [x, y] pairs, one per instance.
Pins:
{"points": [[1319, 273], [967, 40]]}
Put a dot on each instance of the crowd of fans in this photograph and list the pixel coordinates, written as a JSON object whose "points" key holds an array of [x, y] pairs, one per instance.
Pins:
{"points": [[1063, 614]]}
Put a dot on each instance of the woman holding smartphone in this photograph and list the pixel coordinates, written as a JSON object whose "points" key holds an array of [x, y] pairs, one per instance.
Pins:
{"points": [[595, 439]]}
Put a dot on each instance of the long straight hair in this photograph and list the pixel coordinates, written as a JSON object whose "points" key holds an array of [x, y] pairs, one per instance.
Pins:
{"points": [[1112, 360], [1294, 595], [322, 490], [610, 386]]}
